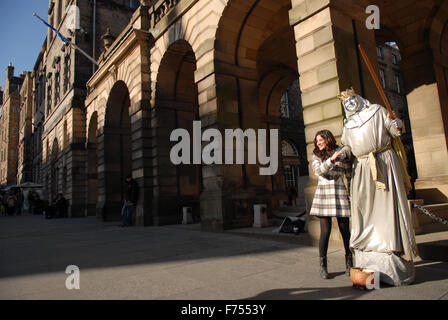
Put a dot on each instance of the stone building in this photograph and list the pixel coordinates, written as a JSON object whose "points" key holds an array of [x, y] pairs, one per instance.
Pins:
{"points": [[24, 149], [64, 72], [255, 64], [9, 122], [38, 113], [228, 64]]}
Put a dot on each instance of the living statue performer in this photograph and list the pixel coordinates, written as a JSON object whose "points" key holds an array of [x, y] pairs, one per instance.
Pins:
{"points": [[382, 235]]}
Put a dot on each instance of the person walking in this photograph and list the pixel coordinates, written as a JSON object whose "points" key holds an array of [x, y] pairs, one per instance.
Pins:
{"points": [[30, 199], [130, 201], [11, 203], [331, 199], [2, 201]]}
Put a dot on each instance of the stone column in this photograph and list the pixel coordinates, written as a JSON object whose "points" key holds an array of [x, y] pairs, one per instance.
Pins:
{"points": [[76, 165], [328, 63], [230, 101], [141, 162]]}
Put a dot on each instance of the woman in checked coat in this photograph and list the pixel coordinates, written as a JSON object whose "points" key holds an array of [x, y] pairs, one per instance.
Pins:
{"points": [[331, 199]]}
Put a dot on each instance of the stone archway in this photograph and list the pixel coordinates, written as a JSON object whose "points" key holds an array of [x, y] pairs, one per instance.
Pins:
{"points": [[92, 166], [116, 145], [176, 106], [425, 72], [255, 62]]}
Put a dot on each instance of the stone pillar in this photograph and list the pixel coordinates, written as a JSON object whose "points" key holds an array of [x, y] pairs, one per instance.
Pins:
{"points": [[328, 63], [76, 165], [141, 160], [165, 206], [230, 191]]}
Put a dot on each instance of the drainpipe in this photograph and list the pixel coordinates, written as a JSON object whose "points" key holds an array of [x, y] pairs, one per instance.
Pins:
{"points": [[94, 35]]}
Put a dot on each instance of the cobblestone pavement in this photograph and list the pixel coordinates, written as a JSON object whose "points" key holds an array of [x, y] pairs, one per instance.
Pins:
{"points": [[177, 262]]}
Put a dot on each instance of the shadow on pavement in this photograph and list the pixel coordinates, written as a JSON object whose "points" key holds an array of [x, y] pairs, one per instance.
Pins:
{"points": [[32, 245], [310, 294], [428, 271]]}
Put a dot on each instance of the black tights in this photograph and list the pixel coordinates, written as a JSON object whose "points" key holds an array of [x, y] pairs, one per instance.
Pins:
{"points": [[325, 229]]}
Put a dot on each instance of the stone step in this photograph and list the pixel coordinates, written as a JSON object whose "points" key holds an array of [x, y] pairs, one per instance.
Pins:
{"points": [[433, 246], [433, 227]]}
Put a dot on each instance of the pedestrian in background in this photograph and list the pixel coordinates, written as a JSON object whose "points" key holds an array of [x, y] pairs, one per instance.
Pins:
{"points": [[2, 201], [130, 201], [331, 199], [20, 199], [11, 203]]}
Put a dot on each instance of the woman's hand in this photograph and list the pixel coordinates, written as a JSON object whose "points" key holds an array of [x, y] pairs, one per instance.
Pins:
{"points": [[335, 156]]}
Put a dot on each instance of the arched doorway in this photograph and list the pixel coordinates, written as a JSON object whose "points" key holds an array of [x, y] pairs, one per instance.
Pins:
{"points": [[92, 166], [176, 106], [255, 63], [116, 145]]}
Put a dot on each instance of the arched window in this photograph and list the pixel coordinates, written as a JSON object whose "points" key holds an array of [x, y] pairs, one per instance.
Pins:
{"points": [[284, 106], [289, 149], [291, 162]]}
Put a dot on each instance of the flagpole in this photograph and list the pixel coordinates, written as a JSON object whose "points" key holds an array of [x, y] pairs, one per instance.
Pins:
{"points": [[66, 40], [83, 52]]}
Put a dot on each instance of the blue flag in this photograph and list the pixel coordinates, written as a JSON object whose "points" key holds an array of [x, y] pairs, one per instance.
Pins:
{"points": [[64, 39]]}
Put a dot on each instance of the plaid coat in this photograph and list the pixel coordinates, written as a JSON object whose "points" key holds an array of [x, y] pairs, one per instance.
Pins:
{"points": [[331, 198]]}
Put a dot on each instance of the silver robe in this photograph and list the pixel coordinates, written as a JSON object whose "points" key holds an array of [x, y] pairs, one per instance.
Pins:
{"points": [[382, 235]]}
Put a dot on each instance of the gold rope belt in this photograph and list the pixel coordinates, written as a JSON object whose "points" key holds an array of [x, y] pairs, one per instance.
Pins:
{"points": [[389, 146], [376, 174]]}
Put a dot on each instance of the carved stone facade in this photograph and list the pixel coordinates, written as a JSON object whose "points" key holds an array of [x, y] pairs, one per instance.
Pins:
{"points": [[228, 64]]}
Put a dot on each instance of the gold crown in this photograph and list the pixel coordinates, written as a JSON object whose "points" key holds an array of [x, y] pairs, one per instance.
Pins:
{"points": [[347, 93]]}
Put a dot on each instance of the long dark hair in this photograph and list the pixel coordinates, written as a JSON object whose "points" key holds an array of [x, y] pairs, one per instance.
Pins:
{"points": [[331, 145]]}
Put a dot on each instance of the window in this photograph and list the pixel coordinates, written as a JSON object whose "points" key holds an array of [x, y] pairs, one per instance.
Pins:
{"points": [[57, 79], [49, 99], [288, 149], [379, 52], [290, 176], [284, 106], [398, 83], [66, 75], [383, 78], [394, 59]]}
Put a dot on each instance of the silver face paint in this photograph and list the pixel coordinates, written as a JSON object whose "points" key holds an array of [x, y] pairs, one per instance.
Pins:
{"points": [[353, 104]]}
